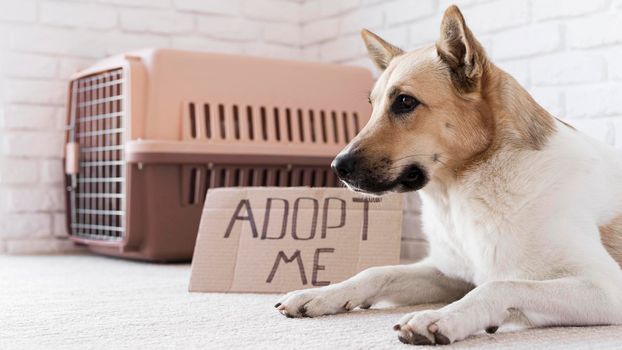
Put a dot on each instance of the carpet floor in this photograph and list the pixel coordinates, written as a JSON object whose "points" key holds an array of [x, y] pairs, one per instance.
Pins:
{"points": [[91, 302]]}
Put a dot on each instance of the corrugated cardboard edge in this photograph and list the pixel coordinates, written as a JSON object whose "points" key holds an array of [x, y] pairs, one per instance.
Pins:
{"points": [[212, 193]]}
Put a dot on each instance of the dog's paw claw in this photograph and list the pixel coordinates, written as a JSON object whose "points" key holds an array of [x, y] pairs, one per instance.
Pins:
{"points": [[418, 339], [440, 339], [492, 329], [277, 305], [347, 306], [412, 338], [303, 311], [365, 306]]}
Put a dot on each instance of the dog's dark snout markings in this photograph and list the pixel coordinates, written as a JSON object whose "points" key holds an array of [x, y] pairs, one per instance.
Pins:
{"points": [[413, 174], [413, 178]]}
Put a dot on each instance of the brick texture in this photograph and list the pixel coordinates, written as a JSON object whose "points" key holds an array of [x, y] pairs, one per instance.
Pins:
{"points": [[83, 15], [568, 56]]}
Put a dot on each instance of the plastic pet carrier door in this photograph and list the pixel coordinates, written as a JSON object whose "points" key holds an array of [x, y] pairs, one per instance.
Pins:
{"points": [[150, 132]]}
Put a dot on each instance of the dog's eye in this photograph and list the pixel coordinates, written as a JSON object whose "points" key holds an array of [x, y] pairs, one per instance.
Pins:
{"points": [[404, 104]]}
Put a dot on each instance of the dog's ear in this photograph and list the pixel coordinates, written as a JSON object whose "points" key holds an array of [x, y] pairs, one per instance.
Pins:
{"points": [[380, 51], [459, 49]]}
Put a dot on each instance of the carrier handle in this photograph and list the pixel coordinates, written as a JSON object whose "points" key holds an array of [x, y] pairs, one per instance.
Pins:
{"points": [[72, 158]]}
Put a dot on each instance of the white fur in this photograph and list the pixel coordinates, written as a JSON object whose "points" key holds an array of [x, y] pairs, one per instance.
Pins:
{"points": [[517, 237]]}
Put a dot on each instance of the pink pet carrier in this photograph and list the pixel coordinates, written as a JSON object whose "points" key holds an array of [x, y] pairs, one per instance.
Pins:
{"points": [[150, 132]]}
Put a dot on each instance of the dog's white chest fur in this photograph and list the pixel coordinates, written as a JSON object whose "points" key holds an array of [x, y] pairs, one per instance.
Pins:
{"points": [[496, 224], [464, 239], [458, 236]]}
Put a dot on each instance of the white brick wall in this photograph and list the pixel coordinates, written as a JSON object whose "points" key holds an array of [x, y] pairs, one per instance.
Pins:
{"points": [[567, 53], [80, 15]]}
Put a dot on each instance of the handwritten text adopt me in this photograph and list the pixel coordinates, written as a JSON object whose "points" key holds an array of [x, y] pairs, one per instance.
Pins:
{"points": [[330, 219]]}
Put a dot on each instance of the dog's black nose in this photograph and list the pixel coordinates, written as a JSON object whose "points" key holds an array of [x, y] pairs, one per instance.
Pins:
{"points": [[344, 165]]}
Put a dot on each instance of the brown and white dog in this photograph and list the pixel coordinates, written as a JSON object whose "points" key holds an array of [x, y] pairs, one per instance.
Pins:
{"points": [[522, 212]]}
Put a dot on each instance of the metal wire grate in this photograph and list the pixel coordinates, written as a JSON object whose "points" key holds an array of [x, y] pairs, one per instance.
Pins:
{"points": [[97, 190]]}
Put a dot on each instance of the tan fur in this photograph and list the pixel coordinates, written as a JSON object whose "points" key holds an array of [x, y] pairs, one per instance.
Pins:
{"points": [[611, 236], [380, 51], [469, 107], [459, 49]]}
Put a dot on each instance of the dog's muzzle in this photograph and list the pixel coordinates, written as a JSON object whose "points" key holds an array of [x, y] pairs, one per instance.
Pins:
{"points": [[374, 178]]}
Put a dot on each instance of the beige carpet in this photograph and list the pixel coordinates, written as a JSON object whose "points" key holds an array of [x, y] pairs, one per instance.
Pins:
{"points": [[89, 302]]}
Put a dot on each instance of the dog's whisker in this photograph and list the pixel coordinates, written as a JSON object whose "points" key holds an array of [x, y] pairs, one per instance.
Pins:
{"points": [[414, 155], [440, 161]]}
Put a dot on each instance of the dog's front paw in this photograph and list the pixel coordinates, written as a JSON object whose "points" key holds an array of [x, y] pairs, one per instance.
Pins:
{"points": [[446, 325], [420, 328], [319, 301]]}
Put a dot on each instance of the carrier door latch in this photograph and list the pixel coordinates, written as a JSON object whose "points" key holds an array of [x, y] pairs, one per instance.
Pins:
{"points": [[72, 158]]}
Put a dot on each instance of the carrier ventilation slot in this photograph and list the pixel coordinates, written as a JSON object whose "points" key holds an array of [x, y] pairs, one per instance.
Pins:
{"points": [[97, 193], [201, 178], [217, 121]]}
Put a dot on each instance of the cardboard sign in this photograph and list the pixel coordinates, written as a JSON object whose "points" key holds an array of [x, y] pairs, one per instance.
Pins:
{"points": [[272, 239]]}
